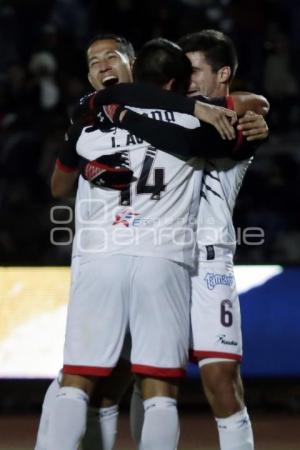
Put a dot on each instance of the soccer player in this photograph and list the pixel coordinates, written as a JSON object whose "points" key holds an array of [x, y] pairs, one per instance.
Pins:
{"points": [[108, 76], [116, 68], [214, 296], [102, 412], [215, 311], [150, 239]]}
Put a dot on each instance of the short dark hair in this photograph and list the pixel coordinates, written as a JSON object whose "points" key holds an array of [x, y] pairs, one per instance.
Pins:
{"points": [[219, 49], [124, 45], [159, 61]]}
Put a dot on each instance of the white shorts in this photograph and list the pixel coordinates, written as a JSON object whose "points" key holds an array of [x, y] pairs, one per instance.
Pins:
{"points": [[108, 293], [215, 312]]}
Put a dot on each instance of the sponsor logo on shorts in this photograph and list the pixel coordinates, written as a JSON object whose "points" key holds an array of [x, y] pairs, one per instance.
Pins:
{"points": [[221, 338], [214, 279]]}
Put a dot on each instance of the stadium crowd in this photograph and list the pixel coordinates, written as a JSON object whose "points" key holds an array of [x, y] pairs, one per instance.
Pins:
{"points": [[42, 75]]}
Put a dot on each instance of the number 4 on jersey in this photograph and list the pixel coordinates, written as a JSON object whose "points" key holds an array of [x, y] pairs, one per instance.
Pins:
{"points": [[143, 186]]}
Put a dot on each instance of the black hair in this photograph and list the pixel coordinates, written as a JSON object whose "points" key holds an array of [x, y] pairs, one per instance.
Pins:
{"points": [[161, 60], [123, 44], [219, 50]]}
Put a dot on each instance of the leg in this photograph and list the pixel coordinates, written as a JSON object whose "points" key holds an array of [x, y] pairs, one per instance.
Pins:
{"points": [[136, 413], [67, 422], [223, 387], [92, 346], [161, 424], [159, 356], [52, 391], [103, 411], [217, 343]]}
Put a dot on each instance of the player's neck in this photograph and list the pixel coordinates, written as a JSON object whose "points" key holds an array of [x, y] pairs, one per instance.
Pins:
{"points": [[221, 90]]}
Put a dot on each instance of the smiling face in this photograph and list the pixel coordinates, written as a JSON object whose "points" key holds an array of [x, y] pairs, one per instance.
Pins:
{"points": [[204, 80], [107, 64]]}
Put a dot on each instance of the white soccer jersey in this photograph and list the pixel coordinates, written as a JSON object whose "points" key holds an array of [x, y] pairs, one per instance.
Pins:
{"points": [[156, 216], [221, 182]]}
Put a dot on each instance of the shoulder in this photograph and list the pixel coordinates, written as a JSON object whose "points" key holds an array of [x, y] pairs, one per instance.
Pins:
{"points": [[82, 108]]}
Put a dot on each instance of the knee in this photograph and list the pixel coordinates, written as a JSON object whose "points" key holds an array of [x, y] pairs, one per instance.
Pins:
{"points": [[223, 388], [156, 387]]}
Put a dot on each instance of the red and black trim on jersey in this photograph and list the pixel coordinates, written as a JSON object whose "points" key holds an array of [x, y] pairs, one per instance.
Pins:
{"points": [[240, 138], [63, 168]]}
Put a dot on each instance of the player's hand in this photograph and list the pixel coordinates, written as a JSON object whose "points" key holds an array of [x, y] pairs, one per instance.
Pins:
{"points": [[221, 118], [253, 126], [110, 171]]}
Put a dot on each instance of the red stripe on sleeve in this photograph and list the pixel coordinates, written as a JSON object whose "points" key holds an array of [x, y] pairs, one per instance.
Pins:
{"points": [[230, 102], [64, 168], [240, 137], [239, 140]]}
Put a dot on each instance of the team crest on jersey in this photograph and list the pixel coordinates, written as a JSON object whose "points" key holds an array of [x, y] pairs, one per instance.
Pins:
{"points": [[215, 279], [125, 217]]}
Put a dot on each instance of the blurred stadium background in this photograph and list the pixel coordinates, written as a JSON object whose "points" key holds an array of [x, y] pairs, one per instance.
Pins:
{"points": [[42, 75]]}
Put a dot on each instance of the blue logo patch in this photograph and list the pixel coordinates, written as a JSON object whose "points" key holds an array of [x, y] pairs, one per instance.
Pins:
{"points": [[214, 279]]}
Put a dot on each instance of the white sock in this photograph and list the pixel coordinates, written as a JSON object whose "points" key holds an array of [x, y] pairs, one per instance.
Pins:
{"points": [[235, 432], [67, 422], [42, 434], [136, 414], [101, 429], [161, 424]]}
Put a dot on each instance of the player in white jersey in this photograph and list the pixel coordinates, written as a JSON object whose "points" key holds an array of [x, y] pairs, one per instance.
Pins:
{"points": [[118, 69], [115, 281], [102, 412], [215, 311], [120, 218]]}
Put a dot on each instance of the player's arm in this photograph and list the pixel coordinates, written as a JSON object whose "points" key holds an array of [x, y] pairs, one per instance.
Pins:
{"points": [[204, 108], [182, 142], [247, 101], [142, 95], [110, 171], [62, 182], [146, 95], [66, 171], [252, 109]]}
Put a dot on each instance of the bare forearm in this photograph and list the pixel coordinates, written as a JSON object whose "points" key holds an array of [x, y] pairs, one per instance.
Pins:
{"points": [[246, 101], [63, 183]]}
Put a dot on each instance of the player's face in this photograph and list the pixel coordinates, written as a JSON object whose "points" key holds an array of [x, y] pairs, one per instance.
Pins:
{"points": [[203, 80], [107, 65]]}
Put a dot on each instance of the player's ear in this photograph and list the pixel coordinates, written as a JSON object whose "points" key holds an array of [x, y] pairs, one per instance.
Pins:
{"points": [[170, 85], [224, 74]]}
